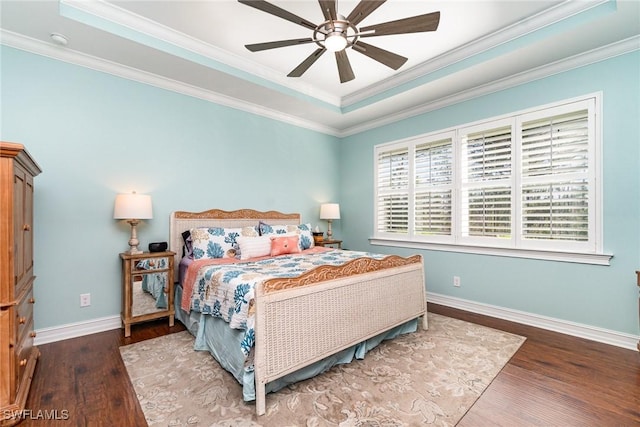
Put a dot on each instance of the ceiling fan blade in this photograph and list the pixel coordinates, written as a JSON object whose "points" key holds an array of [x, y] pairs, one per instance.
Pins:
{"points": [[415, 24], [279, 12], [385, 57], [273, 45], [328, 9], [344, 67], [362, 10], [304, 65]]}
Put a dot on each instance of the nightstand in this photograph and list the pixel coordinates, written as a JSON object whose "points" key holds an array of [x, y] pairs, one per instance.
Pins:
{"points": [[147, 288], [333, 242]]}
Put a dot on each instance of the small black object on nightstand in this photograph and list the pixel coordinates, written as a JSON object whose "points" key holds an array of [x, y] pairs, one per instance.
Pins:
{"points": [[158, 247]]}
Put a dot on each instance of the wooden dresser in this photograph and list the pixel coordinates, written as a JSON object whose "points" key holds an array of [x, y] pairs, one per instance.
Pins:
{"points": [[18, 355]]}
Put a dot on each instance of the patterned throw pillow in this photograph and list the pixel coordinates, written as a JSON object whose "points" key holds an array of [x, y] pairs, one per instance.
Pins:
{"points": [[218, 242], [282, 245], [303, 230]]}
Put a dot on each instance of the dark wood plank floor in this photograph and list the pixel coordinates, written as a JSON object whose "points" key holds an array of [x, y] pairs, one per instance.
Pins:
{"points": [[553, 380]]}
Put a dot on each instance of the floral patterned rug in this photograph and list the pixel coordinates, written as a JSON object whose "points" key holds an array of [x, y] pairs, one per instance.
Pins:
{"points": [[429, 377]]}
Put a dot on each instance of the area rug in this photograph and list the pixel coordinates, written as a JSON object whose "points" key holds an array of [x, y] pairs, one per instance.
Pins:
{"points": [[429, 377]]}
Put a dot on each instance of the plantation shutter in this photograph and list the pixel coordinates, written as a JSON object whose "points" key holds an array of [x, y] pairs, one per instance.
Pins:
{"points": [[526, 184], [393, 191], [433, 188], [555, 177], [487, 187]]}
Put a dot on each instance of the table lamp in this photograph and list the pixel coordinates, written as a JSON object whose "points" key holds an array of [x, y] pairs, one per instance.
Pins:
{"points": [[133, 207], [329, 211]]}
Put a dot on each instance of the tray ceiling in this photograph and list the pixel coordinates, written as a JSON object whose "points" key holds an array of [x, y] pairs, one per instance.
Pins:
{"points": [[197, 48]]}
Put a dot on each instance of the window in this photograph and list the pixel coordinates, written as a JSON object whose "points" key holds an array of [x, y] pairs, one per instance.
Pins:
{"points": [[486, 182], [393, 191], [415, 188], [528, 181], [433, 188]]}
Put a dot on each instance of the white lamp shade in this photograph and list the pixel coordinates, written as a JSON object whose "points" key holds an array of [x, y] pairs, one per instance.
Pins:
{"points": [[133, 206], [330, 211]]}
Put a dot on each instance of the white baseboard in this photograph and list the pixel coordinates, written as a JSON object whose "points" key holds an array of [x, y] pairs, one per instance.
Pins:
{"points": [[618, 339], [77, 329], [593, 333]]}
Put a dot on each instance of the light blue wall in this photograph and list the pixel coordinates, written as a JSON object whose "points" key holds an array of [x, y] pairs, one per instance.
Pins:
{"points": [[95, 135], [602, 296]]}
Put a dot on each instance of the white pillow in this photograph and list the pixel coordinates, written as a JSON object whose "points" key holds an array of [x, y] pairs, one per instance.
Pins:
{"points": [[251, 247]]}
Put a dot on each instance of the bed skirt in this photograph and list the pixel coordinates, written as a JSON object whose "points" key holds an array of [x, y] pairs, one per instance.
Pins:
{"points": [[215, 336]]}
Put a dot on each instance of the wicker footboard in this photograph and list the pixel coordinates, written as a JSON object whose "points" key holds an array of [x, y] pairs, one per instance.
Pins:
{"points": [[342, 305]]}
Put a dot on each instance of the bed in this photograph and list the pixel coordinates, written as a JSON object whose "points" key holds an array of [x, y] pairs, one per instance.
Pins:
{"points": [[339, 301]]}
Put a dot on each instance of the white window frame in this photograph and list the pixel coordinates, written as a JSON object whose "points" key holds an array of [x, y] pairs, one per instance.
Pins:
{"points": [[590, 252]]}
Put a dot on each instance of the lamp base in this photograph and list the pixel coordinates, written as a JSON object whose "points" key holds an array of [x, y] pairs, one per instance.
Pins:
{"points": [[329, 232], [133, 241]]}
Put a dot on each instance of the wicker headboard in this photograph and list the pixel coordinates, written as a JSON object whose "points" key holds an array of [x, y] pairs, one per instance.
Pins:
{"points": [[182, 221]]}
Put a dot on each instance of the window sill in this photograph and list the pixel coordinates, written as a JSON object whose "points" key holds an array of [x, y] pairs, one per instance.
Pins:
{"points": [[581, 258]]}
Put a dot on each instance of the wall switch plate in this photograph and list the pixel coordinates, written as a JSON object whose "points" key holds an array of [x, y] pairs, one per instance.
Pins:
{"points": [[85, 300], [456, 281]]}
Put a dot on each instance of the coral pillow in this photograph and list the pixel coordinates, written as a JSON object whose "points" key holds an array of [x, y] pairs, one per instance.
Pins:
{"points": [[281, 245], [302, 230]]}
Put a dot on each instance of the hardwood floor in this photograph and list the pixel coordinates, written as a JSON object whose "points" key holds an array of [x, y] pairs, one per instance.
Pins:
{"points": [[553, 380], [557, 380]]}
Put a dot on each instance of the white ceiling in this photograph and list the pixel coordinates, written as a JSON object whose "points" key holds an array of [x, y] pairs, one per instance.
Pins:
{"points": [[197, 47]]}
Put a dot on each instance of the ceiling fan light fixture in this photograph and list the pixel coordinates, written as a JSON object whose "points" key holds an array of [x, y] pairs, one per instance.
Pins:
{"points": [[335, 42], [338, 33]]}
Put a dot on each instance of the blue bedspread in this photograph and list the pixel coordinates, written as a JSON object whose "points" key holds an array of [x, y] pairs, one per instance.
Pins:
{"points": [[226, 291]]}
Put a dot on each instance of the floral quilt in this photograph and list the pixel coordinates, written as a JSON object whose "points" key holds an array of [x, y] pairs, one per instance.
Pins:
{"points": [[227, 290]]}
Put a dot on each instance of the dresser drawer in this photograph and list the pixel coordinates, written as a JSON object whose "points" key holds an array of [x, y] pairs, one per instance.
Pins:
{"points": [[7, 353], [23, 353], [151, 263], [24, 315]]}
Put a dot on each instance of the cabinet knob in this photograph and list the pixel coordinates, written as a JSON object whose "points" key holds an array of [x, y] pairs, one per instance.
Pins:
{"points": [[32, 300], [26, 227], [23, 362], [22, 320], [32, 334]]}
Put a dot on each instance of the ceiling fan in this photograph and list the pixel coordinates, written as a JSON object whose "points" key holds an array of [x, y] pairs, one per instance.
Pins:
{"points": [[338, 33]]}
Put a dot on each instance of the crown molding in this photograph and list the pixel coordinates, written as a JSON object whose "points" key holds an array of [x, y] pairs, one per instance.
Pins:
{"points": [[580, 60], [66, 55], [476, 47], [38, 47], [122, 17]]}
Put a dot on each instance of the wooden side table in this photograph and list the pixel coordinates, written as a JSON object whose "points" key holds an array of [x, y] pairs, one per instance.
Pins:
{"points": [[147, 288], [330, 243]]}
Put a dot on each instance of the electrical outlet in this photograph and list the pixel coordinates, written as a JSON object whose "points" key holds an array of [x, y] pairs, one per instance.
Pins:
{"points": [[85, 300], [456, 281]]}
